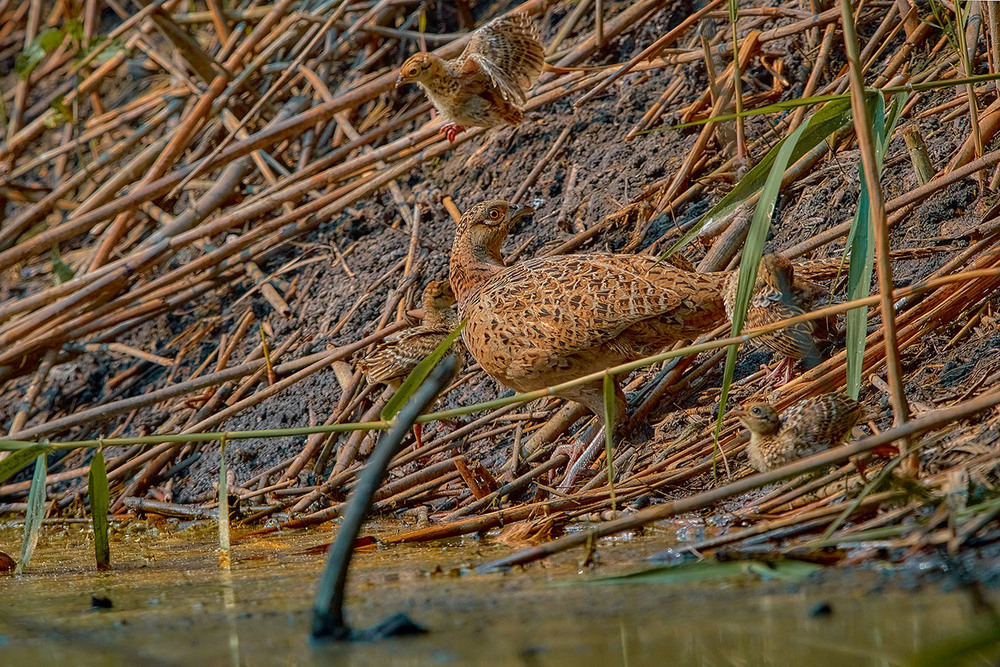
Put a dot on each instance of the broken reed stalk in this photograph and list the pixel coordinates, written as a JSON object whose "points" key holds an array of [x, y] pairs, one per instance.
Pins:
{"points": [[328, 609], [880, 226]]}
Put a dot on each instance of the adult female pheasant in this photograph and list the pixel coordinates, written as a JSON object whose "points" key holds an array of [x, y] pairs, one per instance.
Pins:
{"points": [[548, 320], [486, 84]]}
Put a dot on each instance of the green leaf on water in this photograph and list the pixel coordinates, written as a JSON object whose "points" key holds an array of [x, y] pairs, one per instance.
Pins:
{"points": [[418, 375], [34, 52], [753, 250], [817, 129], [786, 570], [99, 495], [34, 514], [610, 418], [18, 459]]}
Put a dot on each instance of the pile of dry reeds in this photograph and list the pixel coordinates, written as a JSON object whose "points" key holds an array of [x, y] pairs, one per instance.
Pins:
{"points": [[177, 154]]}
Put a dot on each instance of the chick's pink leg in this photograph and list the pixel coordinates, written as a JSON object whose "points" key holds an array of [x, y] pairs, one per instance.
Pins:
{"points": [[418, 431], [451, 130]]}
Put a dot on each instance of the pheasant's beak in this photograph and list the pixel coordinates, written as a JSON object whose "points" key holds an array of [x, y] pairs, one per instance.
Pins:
{"points": [[519, 213], [399, 81], [738, 412]]}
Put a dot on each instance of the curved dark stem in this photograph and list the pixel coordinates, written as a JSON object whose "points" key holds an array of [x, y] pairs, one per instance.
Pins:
{"points": [[328, 609]]}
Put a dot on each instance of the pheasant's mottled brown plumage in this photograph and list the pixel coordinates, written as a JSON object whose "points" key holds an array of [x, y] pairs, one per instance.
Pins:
{"points": [[486, 84], [551, 319], [808, 427], [778, 295], [393, 359]]}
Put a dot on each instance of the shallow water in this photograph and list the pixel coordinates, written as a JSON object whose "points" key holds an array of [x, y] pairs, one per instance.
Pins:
{"points": [[172, 605]]}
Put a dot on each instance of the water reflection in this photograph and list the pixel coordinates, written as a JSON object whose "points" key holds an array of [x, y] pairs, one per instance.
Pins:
{"points": [[173, 605]]}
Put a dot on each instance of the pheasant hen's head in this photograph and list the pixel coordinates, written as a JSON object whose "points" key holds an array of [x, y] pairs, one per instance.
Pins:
{"points": [[438, 295], [419, 68], [760, 418], [487, 224]]}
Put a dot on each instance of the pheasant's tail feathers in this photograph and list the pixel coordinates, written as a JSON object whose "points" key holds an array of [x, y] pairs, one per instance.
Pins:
{"points": [[380, 365]]}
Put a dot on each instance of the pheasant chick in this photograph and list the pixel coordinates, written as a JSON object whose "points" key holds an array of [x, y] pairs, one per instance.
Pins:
{"points": [[486, 84], [808, 427]]}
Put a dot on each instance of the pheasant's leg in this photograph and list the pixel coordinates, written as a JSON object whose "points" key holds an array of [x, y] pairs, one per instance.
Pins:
{"points": [[583, 460], [451, 131], [418, 431], [593, 397]]}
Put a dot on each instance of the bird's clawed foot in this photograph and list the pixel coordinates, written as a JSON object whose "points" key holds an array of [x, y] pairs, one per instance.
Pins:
{"points": [[772, 379], [451, 131], [580, 457]]}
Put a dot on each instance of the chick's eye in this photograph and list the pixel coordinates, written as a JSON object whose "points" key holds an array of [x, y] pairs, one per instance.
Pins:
{"points": [[411, 71], [756, 411], [494, 214]]}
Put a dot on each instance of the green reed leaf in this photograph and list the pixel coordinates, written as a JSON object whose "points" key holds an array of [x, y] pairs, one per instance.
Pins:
{"points": [[817, 129], [610, 418], [34, 514], [18, 459], [224, 561], [753, 250], [97, 481], [860, 246]]}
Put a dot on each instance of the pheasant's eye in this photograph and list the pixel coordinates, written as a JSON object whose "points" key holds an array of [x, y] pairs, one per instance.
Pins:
{"points": [[755, 410], [495, 214], [412, 71]]}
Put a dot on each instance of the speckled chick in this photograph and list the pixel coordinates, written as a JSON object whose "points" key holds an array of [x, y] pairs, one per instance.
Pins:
{"points": [[395, 357], [548, 320], [808, 427], [779, 295], [486, 84]]}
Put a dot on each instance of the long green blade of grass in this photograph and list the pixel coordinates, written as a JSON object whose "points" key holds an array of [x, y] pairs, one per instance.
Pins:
{"points": [[34, 514], [18, 459], [861, 249], [753, 250], [419, 374], [820, 126], [99, 501], [610, 418]]}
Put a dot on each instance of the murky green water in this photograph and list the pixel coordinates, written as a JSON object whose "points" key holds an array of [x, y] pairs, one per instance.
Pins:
{"points": [[172, 605]]}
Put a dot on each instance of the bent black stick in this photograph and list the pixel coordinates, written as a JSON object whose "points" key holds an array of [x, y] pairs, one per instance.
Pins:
{"points": [[328, 609]]}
